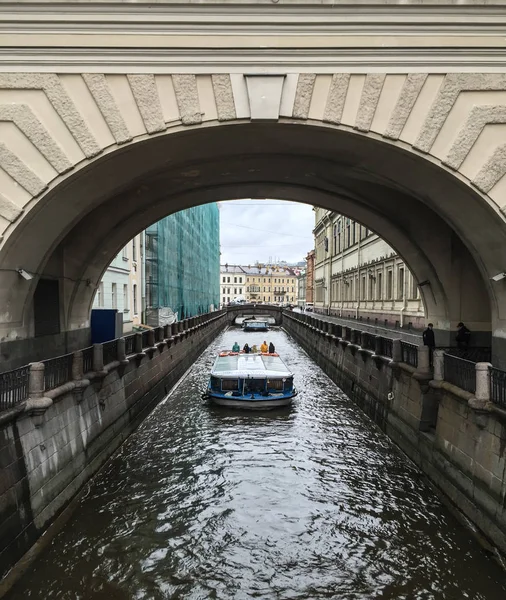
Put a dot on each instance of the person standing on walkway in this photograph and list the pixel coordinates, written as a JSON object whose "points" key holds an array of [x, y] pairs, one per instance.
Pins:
{"points": [[463, 337], [429, 340], [428, 337]]}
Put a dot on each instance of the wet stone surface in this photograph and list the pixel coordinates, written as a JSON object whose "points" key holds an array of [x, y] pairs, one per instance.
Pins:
{"points": [[304, 503]]}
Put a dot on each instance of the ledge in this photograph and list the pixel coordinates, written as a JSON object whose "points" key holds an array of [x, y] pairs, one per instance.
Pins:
{"points": [[453, 389]]}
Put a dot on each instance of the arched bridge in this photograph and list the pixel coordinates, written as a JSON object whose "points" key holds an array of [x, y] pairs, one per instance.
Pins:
{"points": [[115, 114], [255, 310]]}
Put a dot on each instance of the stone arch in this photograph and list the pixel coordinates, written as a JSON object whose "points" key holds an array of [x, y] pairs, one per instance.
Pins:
{"points": [[379, 145]]}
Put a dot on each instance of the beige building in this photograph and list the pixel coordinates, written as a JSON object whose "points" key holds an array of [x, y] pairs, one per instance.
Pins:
{"points": [[270, 284], [357, 274]]}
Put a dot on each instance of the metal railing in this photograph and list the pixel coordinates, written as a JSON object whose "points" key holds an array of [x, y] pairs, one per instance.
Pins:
{"points": [[14, 387], [368, 341], [145, 338], [474, 354], [57, 371], [130, 344], [409, 353], [387, 347], [88, 359], [460, 372], [498, 386], [110, 350]]}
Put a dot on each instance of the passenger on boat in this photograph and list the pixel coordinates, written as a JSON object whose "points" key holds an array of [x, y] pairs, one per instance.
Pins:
{"points": [[236, 347], [254, 349], [264, 347], [271, 348], [246, 349]]}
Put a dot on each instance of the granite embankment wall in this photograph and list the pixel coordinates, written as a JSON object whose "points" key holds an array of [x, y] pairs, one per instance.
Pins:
{"points": [[457, 439], [51, 445]]}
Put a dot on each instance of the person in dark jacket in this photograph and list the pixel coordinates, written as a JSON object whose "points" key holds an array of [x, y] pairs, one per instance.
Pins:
{"points": [[246, 349], [428, 337], [271, 348], [463, 336]]}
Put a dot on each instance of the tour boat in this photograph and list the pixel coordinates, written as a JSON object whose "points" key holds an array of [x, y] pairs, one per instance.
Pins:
{"points": [[255, 325], [258, 381]]}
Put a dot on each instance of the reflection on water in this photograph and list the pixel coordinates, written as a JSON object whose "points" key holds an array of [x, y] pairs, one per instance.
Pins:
{"points": [[309, 502]]}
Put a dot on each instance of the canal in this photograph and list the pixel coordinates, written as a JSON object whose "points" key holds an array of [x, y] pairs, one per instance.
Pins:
{"points": [[305, 503]]}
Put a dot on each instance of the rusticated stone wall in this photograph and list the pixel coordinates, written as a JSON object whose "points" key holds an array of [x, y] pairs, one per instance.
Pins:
{"points": [[461, 448], [47, 456]]}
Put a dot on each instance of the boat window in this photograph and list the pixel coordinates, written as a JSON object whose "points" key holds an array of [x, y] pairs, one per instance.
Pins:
{"points": [[289, 384], [274, 384], [215, 383], [229, 384], [254, 385]]}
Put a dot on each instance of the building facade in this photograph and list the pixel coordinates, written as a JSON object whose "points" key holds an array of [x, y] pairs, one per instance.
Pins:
{"points": [[358, 275], [310, 265], [301, 288], [182, 265], [121, 284], [270, 284], [232, 283]]}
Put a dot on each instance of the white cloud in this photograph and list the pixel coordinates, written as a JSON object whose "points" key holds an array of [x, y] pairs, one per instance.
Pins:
{"points": [[264, 230]]}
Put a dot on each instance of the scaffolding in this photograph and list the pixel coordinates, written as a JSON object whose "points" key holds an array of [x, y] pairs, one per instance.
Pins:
{"points": [[182, 262]]}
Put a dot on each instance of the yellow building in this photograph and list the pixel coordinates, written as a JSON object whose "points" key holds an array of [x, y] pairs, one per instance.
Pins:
{"points": [[270, 284]]}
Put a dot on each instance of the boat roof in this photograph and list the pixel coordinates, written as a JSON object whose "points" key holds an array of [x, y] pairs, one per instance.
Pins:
{"points": [[232, 364]]}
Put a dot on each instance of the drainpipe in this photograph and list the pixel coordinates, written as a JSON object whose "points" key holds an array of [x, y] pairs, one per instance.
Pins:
{"points": [[404, 301], [359, 277]]}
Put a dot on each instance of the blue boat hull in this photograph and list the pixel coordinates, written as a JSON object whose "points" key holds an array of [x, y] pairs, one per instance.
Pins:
{"points": [[249, 403]]}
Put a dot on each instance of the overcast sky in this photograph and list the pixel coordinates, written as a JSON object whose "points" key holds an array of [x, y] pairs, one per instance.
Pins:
{"points": [[263, 230]]}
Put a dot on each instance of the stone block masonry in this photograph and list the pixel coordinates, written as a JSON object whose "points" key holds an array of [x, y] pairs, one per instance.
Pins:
{"points": [[47, 454], [456, 439]]}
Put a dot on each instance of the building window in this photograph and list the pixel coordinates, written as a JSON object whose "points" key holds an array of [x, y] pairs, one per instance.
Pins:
{"points": [[125, 253], [235, 291], [390, 279], [101, 294], [379, 289], [240, 279], [364, 297], [134, 249], [114, 295], [228, 291], [400, 283], [224, 279], [135, 298], [224, 300], [125, 297], [240, 290], [235, 279], [228, 279]]}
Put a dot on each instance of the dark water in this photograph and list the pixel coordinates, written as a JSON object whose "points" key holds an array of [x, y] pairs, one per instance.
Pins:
{"points": [[308, 503]]}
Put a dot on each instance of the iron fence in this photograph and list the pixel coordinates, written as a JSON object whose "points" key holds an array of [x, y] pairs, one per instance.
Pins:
{"points": [[145, 339], [460, 372], [368, 341], [110, 350], [14, 387], [387, 347], [475, 354], [498, 386], [409, 353], [57, 371], [88, 359], [130, 344]]}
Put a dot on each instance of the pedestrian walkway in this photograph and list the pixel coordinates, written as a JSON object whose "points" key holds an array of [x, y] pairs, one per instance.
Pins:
{"points": [[414, 337]]}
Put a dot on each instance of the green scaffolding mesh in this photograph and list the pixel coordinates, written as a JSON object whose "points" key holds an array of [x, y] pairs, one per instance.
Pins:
{"points": [[183, 264]]}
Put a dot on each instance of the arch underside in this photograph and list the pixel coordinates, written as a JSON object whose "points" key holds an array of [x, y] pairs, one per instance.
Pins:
{"points": [[373, 167]]}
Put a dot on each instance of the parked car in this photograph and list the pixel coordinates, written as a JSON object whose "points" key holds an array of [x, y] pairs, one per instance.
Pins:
{"points": [[309, 307]]}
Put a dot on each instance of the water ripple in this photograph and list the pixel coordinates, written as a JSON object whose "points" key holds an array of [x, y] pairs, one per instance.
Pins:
{"points": [[307, 503]]}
